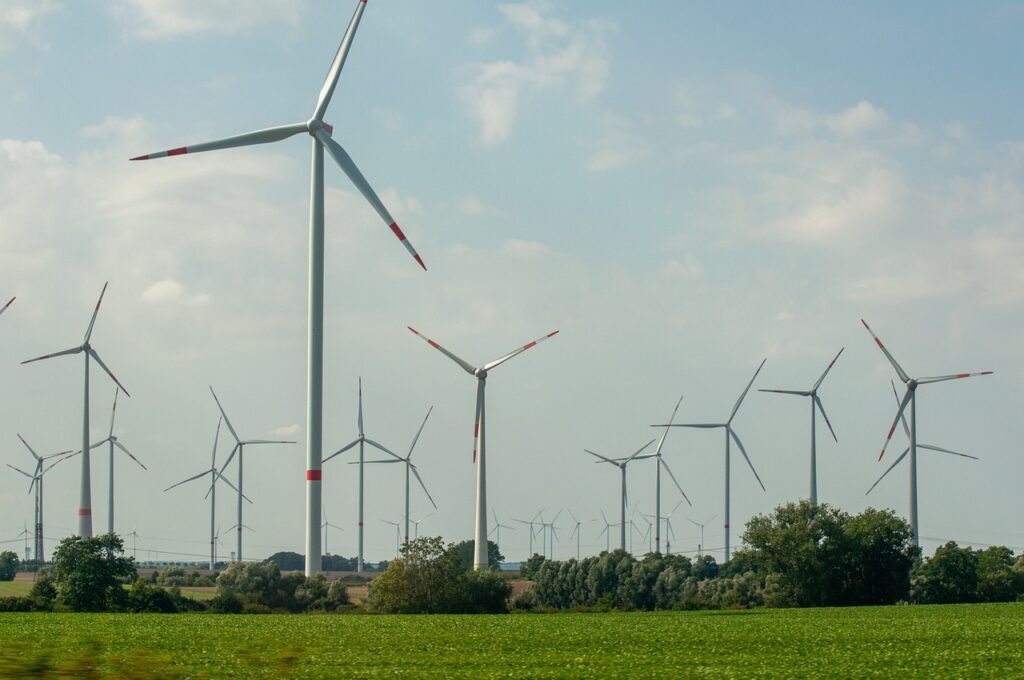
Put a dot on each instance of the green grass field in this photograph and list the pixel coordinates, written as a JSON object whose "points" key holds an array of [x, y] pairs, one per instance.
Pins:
{"points": [[14, 588], [926, 642]]}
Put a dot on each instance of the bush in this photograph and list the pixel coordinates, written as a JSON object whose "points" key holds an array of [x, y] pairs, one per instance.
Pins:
{"points": [[88, 573], [43, 593], [949, 576], [529, 568], [9, 564], [319, 594]]}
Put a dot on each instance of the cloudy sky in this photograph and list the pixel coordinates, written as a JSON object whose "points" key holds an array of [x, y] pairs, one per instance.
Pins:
{"points": [[681, 189]]}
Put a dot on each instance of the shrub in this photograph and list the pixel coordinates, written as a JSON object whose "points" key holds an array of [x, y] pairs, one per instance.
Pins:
{"points": [[89, 572], [9, 564]]}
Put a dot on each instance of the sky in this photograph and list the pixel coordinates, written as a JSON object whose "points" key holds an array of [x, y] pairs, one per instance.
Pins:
{"points": [[681, 189]]}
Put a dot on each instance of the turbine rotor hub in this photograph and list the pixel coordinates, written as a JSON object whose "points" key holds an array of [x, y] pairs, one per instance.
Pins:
{"points": [[480, 373], [313, 125], [911, 384]]}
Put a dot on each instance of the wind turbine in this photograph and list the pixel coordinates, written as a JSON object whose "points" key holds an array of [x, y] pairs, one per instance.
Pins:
{"points": [[701, 525], [816, 406], [113, 441], [361, 440], [135, 536], [416, 524], [660, 463], [37, 484], [327, 524], [480, 535], [498, 526], [212, 493], [87, 350], [646, 534], [409, 467], [4, 308], [25, 533], [670, 533], [398, 535], [606, 532], [621, 463], [729, 433], [530, 523], [576, 531], [239, 447], [910, 397], [321, 133], [549, 533]]}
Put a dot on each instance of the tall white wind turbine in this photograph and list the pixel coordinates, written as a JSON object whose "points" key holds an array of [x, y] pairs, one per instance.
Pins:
{"points": [[239, 447], [910, 397], [730, 434], [816, 406], [113, 441], [409, 467], [621, 463], [212, 493], [481, 373], [321, 133], [37, 483], [361, 440], [660, 463], [87, 350]]}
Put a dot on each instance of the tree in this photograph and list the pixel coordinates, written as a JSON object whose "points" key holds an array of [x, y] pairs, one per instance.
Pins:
{"points": [[464, 551], [950, 575], [529, 568], [88, 573], [288, 561], [998, 581], [8, 565]]}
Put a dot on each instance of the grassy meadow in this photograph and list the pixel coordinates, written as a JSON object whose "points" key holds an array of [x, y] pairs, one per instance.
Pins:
{"points": [[918, 641]]}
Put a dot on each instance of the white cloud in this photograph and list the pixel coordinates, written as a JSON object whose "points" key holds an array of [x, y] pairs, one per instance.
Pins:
{"points": [[858, 119], [285, 430], [21, 18], [473, 206], [163, 19], [168, 291], [559, 56]]}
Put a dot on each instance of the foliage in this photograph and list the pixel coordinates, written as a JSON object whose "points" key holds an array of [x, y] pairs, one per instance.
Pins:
{"points": [[287, 561], [88, 573], [464, 552], [9, 564], [430, 578], [529, 568], [998, 581], [319, 594], [251, 588], [955, 574], [178, 577]]}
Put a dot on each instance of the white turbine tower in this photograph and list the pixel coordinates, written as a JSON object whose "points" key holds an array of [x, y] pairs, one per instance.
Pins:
{"points": [[113, 441], [701, 525], [320, 132], [669, 531], [361, 440], [498, 526], [416, 524], [606, 532], [87, 350], [729, 434], [398, 535], [239, 447], [327, 524], [816, 406], [480, 534], [576, 531], [910, 397], [530, 523], [660, 463], [621, 463], [548, 533], [37, 484], [409, 467], [212, 493]]}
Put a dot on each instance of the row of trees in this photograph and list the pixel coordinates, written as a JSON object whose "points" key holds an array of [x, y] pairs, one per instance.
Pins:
{"points": [[798, 556]]}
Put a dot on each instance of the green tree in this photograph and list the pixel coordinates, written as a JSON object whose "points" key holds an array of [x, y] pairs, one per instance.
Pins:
{"points": [[529, 568], [88, 573], [8, 565], [464, 552], [998, 581], [950, 575]]}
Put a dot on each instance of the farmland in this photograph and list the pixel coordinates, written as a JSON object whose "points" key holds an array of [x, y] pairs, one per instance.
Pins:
{"points": [[934, 641]]}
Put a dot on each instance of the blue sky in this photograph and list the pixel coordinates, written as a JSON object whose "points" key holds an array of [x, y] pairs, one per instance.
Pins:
{"points": [[681, 189]]}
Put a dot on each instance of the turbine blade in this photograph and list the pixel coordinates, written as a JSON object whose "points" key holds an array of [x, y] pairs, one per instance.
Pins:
{"points": [[640, 450], [130, 455], [742, 396], [517, 351], [227, 421], [359, 421], [327, 89], [698, 425], [955, 376], [480, 384], [9, 302], [827, 369], [113, 411], [674, 481], [30, 449], [895, 463], [418, 432], [267, 135], [465, 366], [216, 437], [367, 462], [32, 477], [348, 166], [230, 457], [899, 414], [743, 450], [194, 477], [95, 355], [73, 350], [942, 450], [903, 418], [899, 369], [671, 420], [384, 449], [341, 450], [222, 478], [423, 486], [267, 441], [603, 459], [796, 392], [821, 407], [99, 443], [92, 321]]}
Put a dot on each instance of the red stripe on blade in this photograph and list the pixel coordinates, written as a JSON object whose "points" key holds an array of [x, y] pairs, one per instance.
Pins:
{"points": [[177, 152], [433, 344], [313, 475], [140, 158], [398, 231], [529, 345], [420, 260]]}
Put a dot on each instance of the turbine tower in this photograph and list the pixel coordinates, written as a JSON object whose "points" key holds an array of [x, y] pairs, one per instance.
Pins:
{"points": [[361, 440], [701, 525], [669, 531], [730, 433], [239, 447], [530, 523], [910, 397], [37, 484], [498, 526], [327, 524], [113, 441], [480, 535], [409, 467], [87, 350], [621, 463], [321, 133], [576, 531], [212, 493], [660, 463], [606, 532], [816, 406]]}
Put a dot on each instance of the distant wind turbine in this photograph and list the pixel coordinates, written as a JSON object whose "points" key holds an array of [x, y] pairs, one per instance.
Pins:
{"points": [[730, 433], [321, 139], [660, 463], [576, 531], [87, 350], [498, 526], [530, 523], [325, 526], [113, 441], [910, 397], [37, 484], [621, 463], [606, 532], [480, 535], [701, 525]]}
